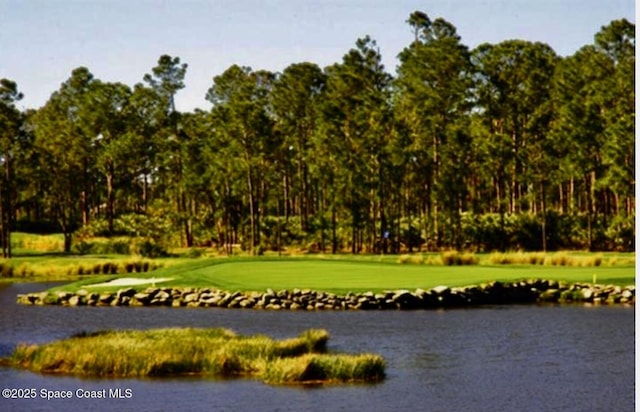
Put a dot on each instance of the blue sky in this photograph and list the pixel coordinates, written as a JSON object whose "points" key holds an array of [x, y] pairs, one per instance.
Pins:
{"points": [[42, 41]]}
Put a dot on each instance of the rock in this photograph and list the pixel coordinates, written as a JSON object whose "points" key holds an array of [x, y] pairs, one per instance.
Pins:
{"points": [[406, 300], [247, 303], [106, 298], [76, 300], [151, 290], [549, 295], [23, 299], [190, 297], [440, 290], [129, 292], [64, 295], [295, 306], [141, 297]]}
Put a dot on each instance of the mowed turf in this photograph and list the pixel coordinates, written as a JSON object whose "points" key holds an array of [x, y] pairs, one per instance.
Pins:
{"points": [[341, 276]]}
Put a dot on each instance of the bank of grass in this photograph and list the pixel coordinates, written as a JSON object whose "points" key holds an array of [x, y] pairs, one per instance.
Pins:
{"points": [[342, 276], [562, 258], [32, 244], [69, 267], [204, 352]]}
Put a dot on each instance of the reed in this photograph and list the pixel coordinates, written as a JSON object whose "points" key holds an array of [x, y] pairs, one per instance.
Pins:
{"points": [[189, 351], [517, 258], [455, 258], [412, 259], [313, 368]]}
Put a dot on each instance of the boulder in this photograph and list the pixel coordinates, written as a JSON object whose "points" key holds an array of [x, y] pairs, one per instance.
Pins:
{"points": [[440, 290], [142, 298], [76, 300], [587, 293]]}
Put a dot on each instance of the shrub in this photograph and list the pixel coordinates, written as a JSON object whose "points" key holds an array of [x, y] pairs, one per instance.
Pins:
{"points": [[413, 259], [150, 249], [6, 269], [454, 258], [404, 259], [517, 258], [558, 259], [621, 232], [24, 270], [194, 252], [82, 248]]}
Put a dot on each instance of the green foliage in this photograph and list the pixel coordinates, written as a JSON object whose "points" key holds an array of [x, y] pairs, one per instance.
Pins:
{"points": [[621, 233], [104, 247], [504, 147], [194, 252], [149, 249]]}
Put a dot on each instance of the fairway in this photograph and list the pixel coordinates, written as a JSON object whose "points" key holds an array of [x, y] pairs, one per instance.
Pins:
{"points": [[341, 276]]}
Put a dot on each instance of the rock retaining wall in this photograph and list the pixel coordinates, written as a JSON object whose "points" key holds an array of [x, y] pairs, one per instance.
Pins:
{"points": [[528, 291]]}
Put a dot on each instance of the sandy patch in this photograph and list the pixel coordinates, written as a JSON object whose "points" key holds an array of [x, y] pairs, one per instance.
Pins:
{"points": [[130, 282]]}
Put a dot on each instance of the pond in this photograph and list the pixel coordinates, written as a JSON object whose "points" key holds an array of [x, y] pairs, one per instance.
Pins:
{"points": [[495, 358]]}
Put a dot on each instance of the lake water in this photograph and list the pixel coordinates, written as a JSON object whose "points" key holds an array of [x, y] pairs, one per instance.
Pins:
{"points": [[499, 358]]}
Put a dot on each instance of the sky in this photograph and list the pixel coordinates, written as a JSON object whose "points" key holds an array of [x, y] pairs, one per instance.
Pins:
{"points": [[42, 41]]}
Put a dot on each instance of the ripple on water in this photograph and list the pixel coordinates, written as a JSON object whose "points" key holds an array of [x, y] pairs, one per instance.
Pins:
{"points": [[525, 358]]}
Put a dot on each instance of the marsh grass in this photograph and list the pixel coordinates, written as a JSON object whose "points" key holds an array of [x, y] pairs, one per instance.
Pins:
{"points": [[455, 258], [321, 368], [517, 258], [207, 352], [551, 259], [37, 243], [73, 268]]}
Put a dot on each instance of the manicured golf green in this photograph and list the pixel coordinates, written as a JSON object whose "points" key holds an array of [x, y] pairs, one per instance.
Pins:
{"points": [[341, 276]]}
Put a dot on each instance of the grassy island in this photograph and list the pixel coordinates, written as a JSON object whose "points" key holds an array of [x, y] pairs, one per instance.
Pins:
{"points": [[201, 352]]}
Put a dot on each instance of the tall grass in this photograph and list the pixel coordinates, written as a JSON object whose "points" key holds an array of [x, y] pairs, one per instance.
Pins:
{"points": [[312, 368], [210, 352], [548, 259], [37, 243], [455, 258], [517, 258], [39, 269]]}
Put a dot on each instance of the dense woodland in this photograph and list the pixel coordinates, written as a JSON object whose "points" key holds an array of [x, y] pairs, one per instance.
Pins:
{"points": [[505, 146]]}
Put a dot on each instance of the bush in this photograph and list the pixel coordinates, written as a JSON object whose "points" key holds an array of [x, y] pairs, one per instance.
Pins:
{"points": [[150, 249], [194, 252], [453, 258], [622, 234], [6, 269], [82, 248], [517, 258]]}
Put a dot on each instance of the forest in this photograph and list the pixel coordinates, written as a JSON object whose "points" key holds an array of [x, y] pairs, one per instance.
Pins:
{"points": [[506, 146]]}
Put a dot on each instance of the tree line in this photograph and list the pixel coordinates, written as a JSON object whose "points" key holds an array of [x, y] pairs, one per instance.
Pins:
{"points": [[504, 146]]}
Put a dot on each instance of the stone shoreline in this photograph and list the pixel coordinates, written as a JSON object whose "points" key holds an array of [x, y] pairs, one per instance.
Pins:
{"points": [[526, 291]]}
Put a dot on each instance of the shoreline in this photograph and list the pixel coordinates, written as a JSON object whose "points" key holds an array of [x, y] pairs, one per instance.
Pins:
{"points": [[493, 293]]}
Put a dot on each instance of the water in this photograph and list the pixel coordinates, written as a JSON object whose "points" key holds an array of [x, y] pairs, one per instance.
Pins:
{"points": [[524, 358]]}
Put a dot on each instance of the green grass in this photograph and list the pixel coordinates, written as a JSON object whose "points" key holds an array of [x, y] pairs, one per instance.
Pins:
{"points": [[342, 276], [70, 267], [32, 244], [205, 352]]}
